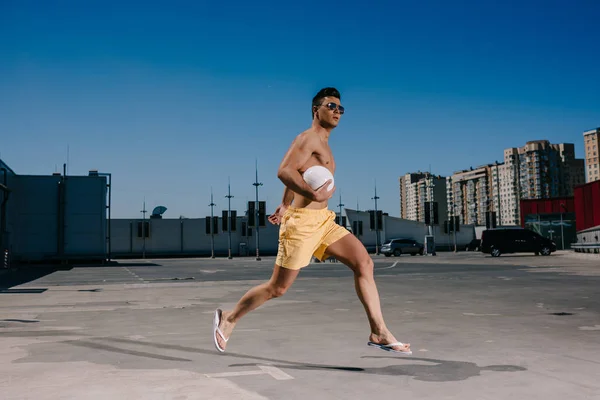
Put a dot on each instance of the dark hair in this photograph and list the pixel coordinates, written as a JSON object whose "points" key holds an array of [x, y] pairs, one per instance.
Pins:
{"points": [[325, 92]]}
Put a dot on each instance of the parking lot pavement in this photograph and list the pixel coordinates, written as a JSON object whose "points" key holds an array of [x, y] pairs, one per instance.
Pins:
{"points": [[480, 328]]}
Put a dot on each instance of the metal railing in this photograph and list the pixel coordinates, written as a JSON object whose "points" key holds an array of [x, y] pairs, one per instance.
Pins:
{"points": [[586, 247]]}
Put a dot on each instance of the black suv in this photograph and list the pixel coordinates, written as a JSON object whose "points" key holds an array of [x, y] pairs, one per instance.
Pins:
{"points": [[515, 240]]}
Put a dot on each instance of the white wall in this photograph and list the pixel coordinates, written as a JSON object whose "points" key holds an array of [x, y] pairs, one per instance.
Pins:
{"points": [[394, 227], [187, 237]]}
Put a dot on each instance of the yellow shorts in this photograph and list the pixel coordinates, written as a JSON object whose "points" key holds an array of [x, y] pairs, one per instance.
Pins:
{"points": [[305, 233]]}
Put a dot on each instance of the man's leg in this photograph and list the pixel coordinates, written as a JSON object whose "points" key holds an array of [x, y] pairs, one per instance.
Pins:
{"points": [[279, 283], [350, 251]]}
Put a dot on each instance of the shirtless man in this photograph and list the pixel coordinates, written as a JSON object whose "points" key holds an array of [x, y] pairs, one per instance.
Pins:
{"points": [[308, 228]]}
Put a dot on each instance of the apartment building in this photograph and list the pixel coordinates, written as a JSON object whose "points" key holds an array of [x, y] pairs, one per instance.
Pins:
{"points": [[472, 193], [416, 189], [591, 141], [537, 170]]}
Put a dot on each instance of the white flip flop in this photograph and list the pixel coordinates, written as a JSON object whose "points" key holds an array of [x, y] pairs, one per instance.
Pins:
{"points": [[216, 330], [388, 347]]}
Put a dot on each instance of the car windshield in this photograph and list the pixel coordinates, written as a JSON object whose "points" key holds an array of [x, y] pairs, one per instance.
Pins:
{"points": [[387, 242]]}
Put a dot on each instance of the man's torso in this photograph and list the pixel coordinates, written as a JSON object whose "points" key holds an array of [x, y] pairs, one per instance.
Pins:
{"points": [[321, 155]]}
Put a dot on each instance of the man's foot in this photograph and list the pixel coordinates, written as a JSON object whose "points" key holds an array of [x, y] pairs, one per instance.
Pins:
{"points": [[224, 329], [386, 339]]}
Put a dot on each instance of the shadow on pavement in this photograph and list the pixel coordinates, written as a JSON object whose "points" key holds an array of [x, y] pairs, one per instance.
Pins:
{"points": [[434, 371], [9, 279]]}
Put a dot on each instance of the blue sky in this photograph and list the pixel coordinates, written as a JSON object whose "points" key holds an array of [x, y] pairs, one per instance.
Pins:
{"points": [[175, 97]]}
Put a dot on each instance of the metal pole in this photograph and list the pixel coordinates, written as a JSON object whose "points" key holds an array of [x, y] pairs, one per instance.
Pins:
{"points": [[5, 193], [454, 226], [431, 219], [257, 223], [144, 230], [341, 205], [376, 225], [109, 216], [431, 207], [562, 232], [108, 238], [212, 234], [498, 202], [229, 196]]}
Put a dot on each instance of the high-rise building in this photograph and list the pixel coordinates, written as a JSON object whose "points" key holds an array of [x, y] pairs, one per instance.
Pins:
{"points": [[591, 141], [474, 194], [537, 170], [416, 189]]}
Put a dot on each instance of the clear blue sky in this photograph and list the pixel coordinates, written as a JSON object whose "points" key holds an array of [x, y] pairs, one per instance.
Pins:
{"points": [[174, 98]]}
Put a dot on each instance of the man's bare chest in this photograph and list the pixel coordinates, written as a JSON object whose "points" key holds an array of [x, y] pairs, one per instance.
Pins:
{"points": [[324, 157]]}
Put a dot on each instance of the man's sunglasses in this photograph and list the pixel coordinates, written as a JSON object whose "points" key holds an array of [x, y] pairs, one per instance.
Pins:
{"points": [[333, 106]]}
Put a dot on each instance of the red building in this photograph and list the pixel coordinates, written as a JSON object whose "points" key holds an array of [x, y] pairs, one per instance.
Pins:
{"points": [[553, 218], [555, 205], [587, 205], [560, 218]]}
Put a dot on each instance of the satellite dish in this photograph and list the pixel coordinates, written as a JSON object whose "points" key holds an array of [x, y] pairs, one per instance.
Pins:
{"points": [[160, 210]]}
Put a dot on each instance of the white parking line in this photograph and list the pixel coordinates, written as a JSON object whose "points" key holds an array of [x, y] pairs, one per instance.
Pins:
{"points": [[239, 373], [390, 267], [275, 372], [134, 274]]}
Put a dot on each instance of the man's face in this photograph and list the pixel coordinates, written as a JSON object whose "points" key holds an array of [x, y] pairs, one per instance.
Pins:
{"points": [[330, 111]]}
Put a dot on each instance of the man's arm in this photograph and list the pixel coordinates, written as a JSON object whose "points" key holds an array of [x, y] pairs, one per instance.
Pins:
{"points": [[297, 155], [288, 196]]}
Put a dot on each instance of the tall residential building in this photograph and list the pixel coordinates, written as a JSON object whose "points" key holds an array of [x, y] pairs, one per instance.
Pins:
{"points": [[473, 193], [535, 171], [415, 190], [592, 154]]}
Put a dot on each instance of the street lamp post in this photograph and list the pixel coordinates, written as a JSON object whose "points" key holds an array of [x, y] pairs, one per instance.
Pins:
{"points": [[562, 232], [340, 206], [454, 225], [376, 225], [430, 186], [212, 234], [229, 196], [256, 184], [144, 230]]}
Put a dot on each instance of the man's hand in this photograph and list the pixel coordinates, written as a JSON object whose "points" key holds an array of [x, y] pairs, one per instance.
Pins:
{"points": [[276, 217], [322, 194]]}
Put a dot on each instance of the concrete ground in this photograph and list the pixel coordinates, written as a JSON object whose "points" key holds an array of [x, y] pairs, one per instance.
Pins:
{"points": [[520, 327]]}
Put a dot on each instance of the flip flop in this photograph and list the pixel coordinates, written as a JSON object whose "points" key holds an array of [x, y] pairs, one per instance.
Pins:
{"points": [[388, 347], [216, 330]]}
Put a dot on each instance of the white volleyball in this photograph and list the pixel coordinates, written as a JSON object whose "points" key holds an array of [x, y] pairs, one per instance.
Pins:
{"points": [[316, 177]]}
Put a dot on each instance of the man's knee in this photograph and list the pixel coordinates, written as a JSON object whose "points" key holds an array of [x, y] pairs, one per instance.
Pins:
{"points": [[277, 290], [365, 266]]}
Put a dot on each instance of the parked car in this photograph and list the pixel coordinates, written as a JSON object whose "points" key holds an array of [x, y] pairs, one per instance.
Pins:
{"points": [[398, 247], [499, 241]]}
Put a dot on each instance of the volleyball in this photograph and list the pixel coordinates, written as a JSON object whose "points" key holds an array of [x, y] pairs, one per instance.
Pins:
{"points": [[316, 177]]}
